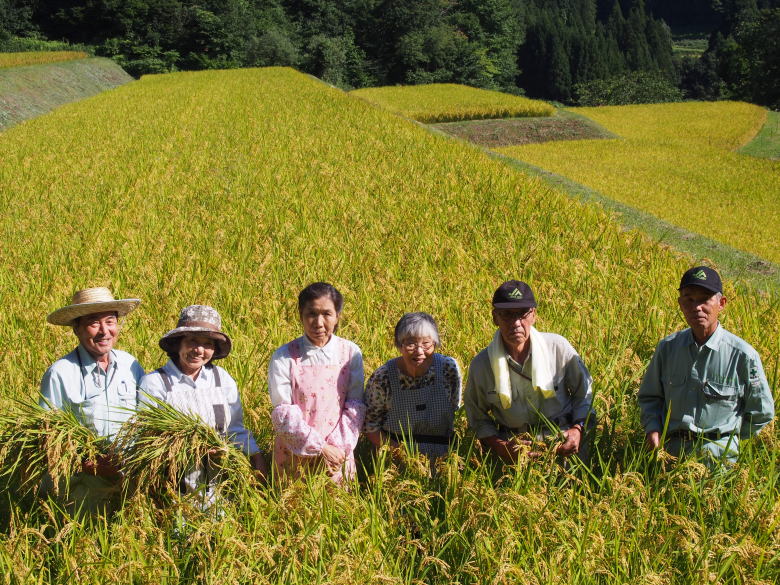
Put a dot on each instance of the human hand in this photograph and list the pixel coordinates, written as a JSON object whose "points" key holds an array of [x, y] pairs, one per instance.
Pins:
{"points": [[571, 444], [105, 466], [507, 451], [334, 457], [215, 455], [260, 467], [653, 440]]}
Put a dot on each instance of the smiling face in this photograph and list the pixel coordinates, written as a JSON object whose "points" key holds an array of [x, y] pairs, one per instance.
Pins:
{"points": [[701, 308], [195, 351], [319, 319], [515, 327], [97, 333], [417, 354]]}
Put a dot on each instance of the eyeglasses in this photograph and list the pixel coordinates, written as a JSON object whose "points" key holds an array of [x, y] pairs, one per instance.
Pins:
{"points": [[512, 316], [412, 346]]}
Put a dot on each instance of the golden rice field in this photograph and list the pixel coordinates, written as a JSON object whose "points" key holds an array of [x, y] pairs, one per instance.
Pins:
{"points": [[237, 188], [677, 162], [449, 102], [38, 57]]}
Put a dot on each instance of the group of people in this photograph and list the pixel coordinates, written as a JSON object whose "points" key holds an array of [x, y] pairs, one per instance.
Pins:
{"points": [[703, 391]]}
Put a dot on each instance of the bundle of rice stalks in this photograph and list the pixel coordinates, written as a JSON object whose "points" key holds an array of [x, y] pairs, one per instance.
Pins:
{"points": [[160, 445], [36, 440]]}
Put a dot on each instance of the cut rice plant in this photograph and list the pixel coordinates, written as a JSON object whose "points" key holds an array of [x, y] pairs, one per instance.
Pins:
{"points": [[160, 444], [36, 440], [449, 102]]}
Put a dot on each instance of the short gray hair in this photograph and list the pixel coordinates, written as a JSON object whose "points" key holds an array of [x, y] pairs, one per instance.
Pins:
{"points": [[416, 325]]}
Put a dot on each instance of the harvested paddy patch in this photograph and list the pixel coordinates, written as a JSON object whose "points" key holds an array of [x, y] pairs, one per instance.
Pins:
{"points": [[518, 131], [766, 144]]}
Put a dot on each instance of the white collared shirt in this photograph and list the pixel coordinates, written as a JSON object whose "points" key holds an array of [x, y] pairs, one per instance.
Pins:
{"points": [[280, 382], [199, 397]]}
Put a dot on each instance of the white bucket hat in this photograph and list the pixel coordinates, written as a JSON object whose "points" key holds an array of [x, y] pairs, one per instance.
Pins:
{"points": [[90, 301], [199, 320]]}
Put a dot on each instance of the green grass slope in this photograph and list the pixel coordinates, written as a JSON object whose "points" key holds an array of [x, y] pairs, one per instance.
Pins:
{"points": [[26, 92], [766, 144]]}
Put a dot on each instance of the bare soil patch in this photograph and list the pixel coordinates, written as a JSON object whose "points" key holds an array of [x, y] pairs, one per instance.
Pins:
{"points": [[514, 131]]}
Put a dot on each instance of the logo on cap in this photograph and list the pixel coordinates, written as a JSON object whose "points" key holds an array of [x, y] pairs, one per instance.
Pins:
{"points": [[515, 294], [701, 275]]}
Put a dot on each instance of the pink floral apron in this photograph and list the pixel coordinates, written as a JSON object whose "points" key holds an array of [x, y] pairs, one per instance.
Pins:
{"points": [[320, 391]]}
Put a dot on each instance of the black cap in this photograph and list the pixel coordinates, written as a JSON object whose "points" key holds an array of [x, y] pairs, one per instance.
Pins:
{"points": [[514, 294], [702, 276]]}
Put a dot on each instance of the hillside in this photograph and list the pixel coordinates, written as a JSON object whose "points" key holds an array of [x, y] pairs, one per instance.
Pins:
{"points": [[235, 189], [26, 92]]}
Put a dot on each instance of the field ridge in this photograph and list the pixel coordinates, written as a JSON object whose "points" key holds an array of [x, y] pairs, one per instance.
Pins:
{"points": [[736, 264], [34, 90]]}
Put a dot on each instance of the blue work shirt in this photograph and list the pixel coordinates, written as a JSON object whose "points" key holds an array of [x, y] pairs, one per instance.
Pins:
{"points": [[101, 400], [718, 387]]}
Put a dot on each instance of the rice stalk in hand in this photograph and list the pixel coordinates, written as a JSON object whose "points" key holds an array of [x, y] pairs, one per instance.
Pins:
{"points": [[160, 444], [36, 440]]}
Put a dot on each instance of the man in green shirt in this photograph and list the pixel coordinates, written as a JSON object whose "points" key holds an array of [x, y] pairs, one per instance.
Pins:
{"points": [[709, 383]]}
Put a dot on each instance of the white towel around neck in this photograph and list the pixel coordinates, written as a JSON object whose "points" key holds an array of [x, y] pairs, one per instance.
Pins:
{"points": [[541, 370]]}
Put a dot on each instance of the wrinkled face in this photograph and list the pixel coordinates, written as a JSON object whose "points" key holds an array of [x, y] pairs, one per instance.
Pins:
{"points": [[701, 307], [319, 319], [417, 353], [195, 351], [514, 325], [97, 333]]}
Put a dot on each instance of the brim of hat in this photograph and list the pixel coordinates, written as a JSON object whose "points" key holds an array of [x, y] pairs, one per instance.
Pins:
{"points": [[710, 288], [224, 345], [66, 315], [515, 305]]}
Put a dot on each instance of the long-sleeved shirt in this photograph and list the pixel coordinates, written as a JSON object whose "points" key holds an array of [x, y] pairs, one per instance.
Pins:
{"points": [[571, 403], [280, 383], [101, 400], [719, 387], [287, 417], [199, 396]]}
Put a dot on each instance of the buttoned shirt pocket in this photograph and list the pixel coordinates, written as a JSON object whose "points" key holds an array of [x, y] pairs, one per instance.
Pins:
{"points": [[719, 405], [127, 394]]}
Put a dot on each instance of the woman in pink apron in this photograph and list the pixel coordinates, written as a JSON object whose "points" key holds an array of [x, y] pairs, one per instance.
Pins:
{"points": [[316, 387]]}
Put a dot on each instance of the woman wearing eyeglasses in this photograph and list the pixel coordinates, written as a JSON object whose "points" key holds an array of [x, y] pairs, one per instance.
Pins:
{"points": [[413, 398]]}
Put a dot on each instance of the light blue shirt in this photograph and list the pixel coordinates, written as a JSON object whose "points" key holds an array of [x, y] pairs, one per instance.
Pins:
{"points": [[101, 400], [718, 387]]}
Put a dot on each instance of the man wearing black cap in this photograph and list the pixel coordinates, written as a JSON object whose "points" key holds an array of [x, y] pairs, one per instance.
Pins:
{"points": [[709, 383], [527, 382]]}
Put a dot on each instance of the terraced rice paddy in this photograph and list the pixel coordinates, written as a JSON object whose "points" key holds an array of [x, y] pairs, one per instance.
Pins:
{"points": [[677, 162], [174, 190], [447, 102], [38, 57]]}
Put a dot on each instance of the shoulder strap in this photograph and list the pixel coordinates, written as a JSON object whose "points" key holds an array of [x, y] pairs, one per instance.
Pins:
{"points": [[217, 381], [166, 379], [394, 376]]}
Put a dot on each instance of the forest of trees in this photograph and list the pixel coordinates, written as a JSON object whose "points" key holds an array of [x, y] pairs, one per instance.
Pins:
{"points": [[554, 49]]}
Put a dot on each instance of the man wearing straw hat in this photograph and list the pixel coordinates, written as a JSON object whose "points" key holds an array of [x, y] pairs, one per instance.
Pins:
{"points": [[705, 388], [527, 386], [97, 383]]}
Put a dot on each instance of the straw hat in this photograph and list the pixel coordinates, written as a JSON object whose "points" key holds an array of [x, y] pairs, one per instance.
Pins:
{"points": [[200, 320], [90, 301]]}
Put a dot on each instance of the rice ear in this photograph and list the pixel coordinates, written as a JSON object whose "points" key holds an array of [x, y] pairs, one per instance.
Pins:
{"points": [[35, 440], [160, 444]]}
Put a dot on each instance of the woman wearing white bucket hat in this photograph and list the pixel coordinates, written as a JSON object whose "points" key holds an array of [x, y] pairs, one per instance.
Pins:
{"points": [[191, 383], [98, 384]]}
